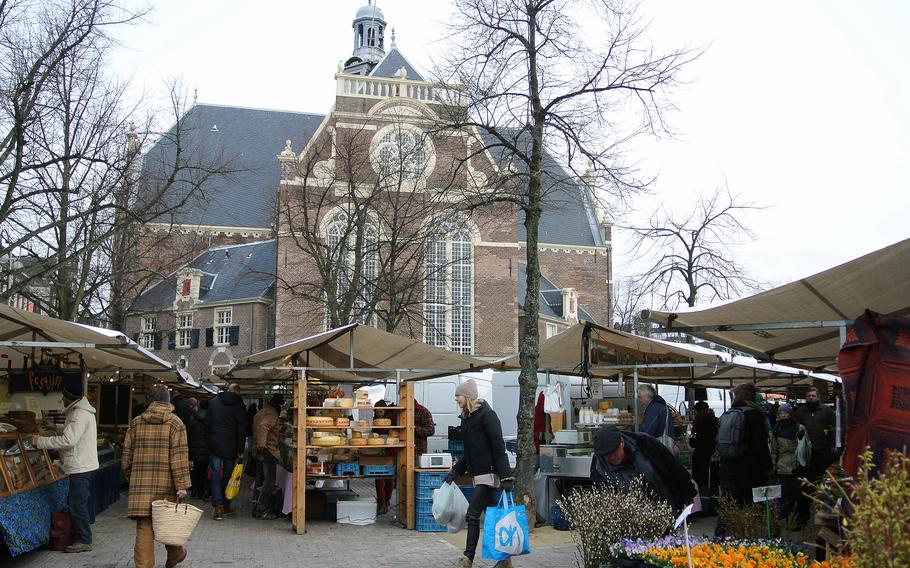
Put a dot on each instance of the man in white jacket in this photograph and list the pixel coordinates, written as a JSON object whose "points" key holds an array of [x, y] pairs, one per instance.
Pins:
{"points": [[77, 444]]}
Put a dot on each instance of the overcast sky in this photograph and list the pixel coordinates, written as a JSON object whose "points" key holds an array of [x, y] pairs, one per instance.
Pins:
{"points": [[800, 106]]}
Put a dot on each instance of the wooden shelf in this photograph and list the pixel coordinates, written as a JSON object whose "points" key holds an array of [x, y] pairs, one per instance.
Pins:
{"points": [[354, 427], [355, 408], [309, 446], [315, 477]]}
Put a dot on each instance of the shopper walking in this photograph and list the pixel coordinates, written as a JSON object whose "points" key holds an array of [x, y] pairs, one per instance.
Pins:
{"points": [[199, 450], [785, 437], [819, 420], [267, 455], [703, 443], [77, 443], [156, 462], [227, 426], [484, 459]]}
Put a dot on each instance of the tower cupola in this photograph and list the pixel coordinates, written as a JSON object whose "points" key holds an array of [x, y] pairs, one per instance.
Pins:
{"points": [[369, 36]]}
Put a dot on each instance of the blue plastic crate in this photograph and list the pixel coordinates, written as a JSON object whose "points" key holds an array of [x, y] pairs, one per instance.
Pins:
{"points": [[426, 492], [377, 470], [432, 479], [456, 455], [347, 469], [424, 507], [429, 524], [557, 520], [456, 445]]}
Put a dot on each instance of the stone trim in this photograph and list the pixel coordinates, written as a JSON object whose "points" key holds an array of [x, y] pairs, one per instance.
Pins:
{"points": [[210, 230]]}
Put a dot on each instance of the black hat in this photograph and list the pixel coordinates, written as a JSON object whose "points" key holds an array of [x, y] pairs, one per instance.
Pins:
{"points": [[606, 440], [276, 400], [73, 392], [701, 405]]}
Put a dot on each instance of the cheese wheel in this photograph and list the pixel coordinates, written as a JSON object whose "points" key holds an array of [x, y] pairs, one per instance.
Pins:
{"points": [[346, 402], [356, 435], [363, 423], [332, 440], [343, 422], [382, 422], [361, 394], [392, 441], [319, 421], [376, 442], [330, 402], [357, 442]]}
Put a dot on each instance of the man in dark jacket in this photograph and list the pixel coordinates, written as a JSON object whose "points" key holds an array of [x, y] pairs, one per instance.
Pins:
{"points": [[226, 423], [199, 450], [739, 475], [703, 442], [819, 420], [621, 456], [182, 409], [656, 420]]}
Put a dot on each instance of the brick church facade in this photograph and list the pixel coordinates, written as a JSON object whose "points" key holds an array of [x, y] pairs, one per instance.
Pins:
{"points": [[256, 252]]}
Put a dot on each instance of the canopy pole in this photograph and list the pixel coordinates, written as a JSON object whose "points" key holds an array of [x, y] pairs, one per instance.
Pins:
{"points": [[351, 349], [635, 397]]}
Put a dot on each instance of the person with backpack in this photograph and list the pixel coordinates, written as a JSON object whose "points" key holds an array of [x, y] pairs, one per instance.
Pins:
{"points": [[786, 436], [742, 444]]}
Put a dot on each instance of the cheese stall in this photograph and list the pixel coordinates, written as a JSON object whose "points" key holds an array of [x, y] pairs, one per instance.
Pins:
{"points": [[337, 432]]}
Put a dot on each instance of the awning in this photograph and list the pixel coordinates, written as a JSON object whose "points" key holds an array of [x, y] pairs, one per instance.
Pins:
{"points": [[103, 351], [352, 353], [802, 323], [612, 352]]}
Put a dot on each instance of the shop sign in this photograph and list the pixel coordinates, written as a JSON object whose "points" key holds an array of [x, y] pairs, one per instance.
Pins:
{"points": [[44, 379]]}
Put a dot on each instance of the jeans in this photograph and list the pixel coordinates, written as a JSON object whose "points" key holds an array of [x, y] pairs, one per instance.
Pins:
{"points": [[483, 497], [219, 482], [80, 483], [265, 480]]}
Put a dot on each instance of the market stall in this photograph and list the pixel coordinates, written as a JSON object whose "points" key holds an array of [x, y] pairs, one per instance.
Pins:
{"points": [[43, 354], [336, 434]]}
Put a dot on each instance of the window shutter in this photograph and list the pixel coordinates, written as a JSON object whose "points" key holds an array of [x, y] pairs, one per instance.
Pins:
{"points": [[158, 341], [172, 340], [136, 337], [209, 336], [194, 338], [234, 335]]}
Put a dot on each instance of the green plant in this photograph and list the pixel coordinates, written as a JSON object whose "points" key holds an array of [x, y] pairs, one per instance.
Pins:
{"points": [[605, 514]]}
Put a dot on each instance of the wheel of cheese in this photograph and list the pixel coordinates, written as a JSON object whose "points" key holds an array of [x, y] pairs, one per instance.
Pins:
{"points": [[330, 402], [361, 394], [363, 423], [376, 442], [382, 422], [332, 440], [343, 422], [356, 435], [346, 402], [357, 441], [319, 421], [392, 441]]}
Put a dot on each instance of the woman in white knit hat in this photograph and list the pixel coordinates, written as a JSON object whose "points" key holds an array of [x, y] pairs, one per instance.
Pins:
{"points": [[484, 458]]}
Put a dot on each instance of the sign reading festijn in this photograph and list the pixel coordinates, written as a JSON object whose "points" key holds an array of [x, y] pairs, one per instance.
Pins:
{"points": [[44, 379]]}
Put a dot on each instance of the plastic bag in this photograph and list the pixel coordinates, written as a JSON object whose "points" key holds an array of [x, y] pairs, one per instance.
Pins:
{"points": [[552, 398], [803, 451], [444, 508], [233, 486], [456, 523], [505, 530]]}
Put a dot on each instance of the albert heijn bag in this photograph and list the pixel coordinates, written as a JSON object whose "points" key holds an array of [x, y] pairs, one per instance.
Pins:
{"points": [[505, 530]]}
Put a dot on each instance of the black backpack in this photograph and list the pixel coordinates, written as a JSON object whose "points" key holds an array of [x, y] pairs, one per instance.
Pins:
{"points": [[731, 433]]}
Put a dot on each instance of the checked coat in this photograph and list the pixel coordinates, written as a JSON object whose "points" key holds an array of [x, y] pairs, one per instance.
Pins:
{"points": [[155, 458]]}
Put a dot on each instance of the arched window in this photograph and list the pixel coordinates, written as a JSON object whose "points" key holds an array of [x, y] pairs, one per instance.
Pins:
{"points": [[449, 288], [343, 233]]}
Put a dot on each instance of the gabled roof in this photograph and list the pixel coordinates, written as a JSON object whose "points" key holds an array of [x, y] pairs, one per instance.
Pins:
{"points": [[232, 273], [246, 141], [394, 60], [568, 216], [550, 296]]}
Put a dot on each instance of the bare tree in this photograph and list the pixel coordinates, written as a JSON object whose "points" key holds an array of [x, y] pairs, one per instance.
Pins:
{"points": [[69, 158], [692, 254], [537, 84], [629, 299]]}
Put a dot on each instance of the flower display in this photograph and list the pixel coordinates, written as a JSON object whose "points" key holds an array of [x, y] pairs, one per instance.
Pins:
{"points": [[670, 552]]}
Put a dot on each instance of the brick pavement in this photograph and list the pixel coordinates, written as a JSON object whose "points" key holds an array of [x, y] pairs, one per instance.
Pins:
{"points": [[242, 542]]}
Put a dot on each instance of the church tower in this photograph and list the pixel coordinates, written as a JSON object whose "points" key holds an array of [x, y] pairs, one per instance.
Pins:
{"points": [[369, 40]]}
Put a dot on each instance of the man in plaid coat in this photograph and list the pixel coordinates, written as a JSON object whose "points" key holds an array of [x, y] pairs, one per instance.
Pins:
{"points": [[156, 462]]}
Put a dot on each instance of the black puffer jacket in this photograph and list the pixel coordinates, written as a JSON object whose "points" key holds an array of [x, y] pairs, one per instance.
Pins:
{"points": [[484, 448], [226, 423], [198, 436], [182, 410]]}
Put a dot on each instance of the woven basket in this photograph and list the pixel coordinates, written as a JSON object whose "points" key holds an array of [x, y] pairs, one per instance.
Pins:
{"points": [[173, 523]]}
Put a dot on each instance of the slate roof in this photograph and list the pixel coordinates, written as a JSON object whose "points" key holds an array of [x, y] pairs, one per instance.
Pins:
{"points": [[247, 141], [568, 216], [394, 60], [231, 273], [550, 296]]}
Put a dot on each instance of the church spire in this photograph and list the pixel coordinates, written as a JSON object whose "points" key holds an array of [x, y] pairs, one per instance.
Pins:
{"points": [[369, 39]]}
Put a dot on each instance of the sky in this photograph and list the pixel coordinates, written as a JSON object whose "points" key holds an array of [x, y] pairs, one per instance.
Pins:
{"points": [[801, 107]]}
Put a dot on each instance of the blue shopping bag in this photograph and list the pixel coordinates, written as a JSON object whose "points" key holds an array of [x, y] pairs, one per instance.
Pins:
{"points": [[505, 530]]}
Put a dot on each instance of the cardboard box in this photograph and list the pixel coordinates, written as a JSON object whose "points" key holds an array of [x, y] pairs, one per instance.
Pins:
{"points": [[376, 460], [557, 421]]}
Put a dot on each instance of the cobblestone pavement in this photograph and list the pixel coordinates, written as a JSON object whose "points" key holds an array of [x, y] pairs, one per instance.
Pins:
{"points": [[240, 541]]}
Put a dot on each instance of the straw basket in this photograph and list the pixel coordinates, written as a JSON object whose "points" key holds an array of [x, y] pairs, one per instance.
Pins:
{"points": [[173, 523]]}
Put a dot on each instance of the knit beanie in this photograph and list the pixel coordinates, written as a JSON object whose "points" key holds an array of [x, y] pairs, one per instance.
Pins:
{"points": [[467, 389], [606, 440], [785, 407], [72, 392]]}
